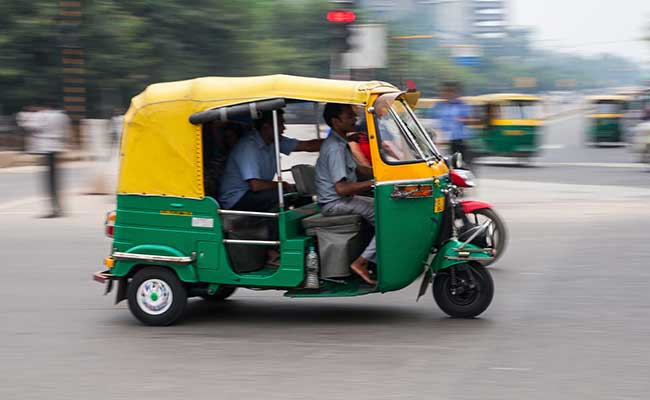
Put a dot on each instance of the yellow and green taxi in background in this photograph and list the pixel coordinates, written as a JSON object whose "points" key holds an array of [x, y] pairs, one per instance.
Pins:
{"points": [[605, 118], [511, 125], [171, 241]]}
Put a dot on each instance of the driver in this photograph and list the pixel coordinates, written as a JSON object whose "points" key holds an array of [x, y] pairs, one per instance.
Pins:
{"points": [[336, 180]]}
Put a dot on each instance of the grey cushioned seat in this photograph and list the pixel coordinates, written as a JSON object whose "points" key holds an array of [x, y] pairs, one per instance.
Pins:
{"points": [[321, 221]]}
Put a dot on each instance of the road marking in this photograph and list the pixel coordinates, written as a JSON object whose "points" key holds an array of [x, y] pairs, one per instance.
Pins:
{"points": [[552, 146], [531, 273], [509, 369], [21, 202], [569, 164]]}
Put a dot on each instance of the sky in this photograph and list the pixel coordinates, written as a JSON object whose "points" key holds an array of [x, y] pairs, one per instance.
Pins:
{"points": [[587, 27]]}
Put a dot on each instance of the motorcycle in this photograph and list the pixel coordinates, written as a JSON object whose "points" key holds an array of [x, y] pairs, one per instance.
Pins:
{"points": [[476, 221]]}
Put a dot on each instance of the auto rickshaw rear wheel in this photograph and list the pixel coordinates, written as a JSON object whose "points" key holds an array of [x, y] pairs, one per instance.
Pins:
{"points": [[463, 290], [156, 296], [222, 293]]}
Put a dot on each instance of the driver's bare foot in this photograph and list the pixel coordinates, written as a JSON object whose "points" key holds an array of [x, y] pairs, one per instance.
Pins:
{"points": [[360, 267]]}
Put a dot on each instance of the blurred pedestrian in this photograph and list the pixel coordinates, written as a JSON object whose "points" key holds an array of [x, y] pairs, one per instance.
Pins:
{"points": [[48, 129], [117, 124], [453, 114]]}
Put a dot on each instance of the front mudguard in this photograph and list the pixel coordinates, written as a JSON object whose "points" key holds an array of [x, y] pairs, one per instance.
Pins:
{"points": [[450, 254]]}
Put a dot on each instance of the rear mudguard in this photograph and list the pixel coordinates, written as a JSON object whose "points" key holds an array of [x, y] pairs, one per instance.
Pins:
{"points": [[449, 255], [473, 205], [186, 272]]}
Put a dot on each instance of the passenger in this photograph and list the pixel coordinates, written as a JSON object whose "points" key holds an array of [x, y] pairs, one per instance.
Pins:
{"points": [[222, 139], [247, 182], [336, 180], [359, 144]]}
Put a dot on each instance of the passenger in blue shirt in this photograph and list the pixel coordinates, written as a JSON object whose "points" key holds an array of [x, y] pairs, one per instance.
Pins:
{"points": [[247, 182], [453, 114]]}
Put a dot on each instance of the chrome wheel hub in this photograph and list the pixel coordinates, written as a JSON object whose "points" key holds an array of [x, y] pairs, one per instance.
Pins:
{"points": [[154, 296]]}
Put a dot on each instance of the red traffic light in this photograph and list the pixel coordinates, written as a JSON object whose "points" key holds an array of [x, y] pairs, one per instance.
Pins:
{"points": [[341, 17]]}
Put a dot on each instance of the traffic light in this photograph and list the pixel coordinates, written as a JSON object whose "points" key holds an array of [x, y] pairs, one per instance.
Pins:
{"points": [[341, 21]]}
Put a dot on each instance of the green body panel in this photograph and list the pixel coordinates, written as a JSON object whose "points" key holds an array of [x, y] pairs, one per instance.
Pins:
{"points": [[163, 226], [441, 262], [507, 140], [405, 229], [351, 288], [605, 130]]}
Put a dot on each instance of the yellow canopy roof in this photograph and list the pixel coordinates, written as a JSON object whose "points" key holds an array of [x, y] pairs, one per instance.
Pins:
{"points": [[502, 97], [161, 151]]}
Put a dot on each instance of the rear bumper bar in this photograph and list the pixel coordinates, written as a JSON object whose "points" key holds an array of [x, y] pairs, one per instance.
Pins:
{"points": [[104, 276]]}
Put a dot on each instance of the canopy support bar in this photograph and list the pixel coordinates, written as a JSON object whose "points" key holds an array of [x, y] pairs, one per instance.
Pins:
{"points": [[276, 138]]}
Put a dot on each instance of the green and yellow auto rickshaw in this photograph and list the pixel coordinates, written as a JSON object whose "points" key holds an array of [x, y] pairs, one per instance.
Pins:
{"points": [[512, 125], [605, 119], [172, 241]]}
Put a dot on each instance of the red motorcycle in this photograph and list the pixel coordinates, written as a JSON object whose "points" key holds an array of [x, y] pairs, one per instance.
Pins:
{"points": [[475, 221]]}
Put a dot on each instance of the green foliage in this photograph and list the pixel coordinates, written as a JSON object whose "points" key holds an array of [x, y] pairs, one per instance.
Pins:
{"points": [[130, 44]]}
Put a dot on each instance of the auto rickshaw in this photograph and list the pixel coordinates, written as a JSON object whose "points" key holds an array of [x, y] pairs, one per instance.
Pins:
{"points": [[512, 125], [171, 241], [605, 118]]}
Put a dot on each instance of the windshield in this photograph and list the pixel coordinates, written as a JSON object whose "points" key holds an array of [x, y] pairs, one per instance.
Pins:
{"points": [[608, 107], [401, 137], [520, 110]]}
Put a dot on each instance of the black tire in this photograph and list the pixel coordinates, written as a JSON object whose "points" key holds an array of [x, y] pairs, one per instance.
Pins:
{"points": [[162, 283], [498, 235], [471, 302], [220, 295]]}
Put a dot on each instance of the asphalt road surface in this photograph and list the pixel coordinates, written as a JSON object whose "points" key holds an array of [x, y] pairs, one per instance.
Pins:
{"points": [[569, 320]]}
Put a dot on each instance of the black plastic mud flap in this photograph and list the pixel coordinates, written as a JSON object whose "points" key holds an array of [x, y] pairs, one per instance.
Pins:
{"points": [[121, 291], [426, 280]]}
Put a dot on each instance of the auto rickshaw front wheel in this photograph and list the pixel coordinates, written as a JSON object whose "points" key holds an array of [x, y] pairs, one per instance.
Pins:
{"points": [[156, 296], [463, 290]]}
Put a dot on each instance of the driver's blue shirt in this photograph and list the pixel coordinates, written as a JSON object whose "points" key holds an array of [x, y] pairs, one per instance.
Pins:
{"points": [[450, 113], [251, 158]]}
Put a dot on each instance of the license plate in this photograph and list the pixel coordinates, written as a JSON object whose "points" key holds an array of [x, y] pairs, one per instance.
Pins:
{"points": [[439, 205]]}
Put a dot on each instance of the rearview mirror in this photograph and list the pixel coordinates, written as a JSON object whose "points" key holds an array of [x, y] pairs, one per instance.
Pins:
{"points": [[456, 161]]}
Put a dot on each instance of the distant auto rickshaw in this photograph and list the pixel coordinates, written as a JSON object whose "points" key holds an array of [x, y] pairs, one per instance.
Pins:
{"points": [[605, 119], [511, 125], [171, 241]]}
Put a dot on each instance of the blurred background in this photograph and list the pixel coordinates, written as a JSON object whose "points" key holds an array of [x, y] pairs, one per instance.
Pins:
{"points": [[570, 313]]}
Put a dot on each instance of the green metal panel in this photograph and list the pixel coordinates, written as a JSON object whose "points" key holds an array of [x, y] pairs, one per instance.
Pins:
{"points": [[605, 130], [354, 287], [405, 230], [511, 140], [169, 226], [440, 262]]}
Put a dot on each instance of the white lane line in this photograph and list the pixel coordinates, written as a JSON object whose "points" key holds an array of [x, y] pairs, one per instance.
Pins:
{"points": [[597, 165], [20, 202], [552, 146], [509, 369], [531, 273], [570, 164]]}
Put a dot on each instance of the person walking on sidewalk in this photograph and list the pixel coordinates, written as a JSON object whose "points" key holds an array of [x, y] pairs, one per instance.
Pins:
{"points": [[48, 130]]}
